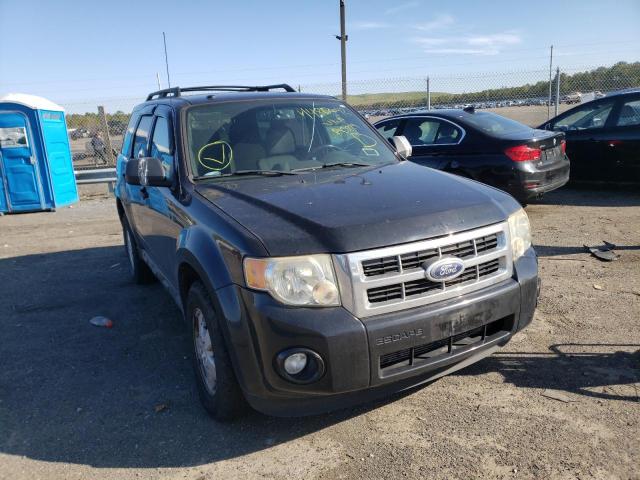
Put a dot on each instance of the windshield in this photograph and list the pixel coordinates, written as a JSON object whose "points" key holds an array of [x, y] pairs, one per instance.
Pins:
{"points": [[496, 125], [279, 135]]}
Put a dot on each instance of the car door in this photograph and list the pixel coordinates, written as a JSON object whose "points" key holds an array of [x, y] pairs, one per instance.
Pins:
{"points": [[434, 141], [20, 175], [138, 196], [625, 147], [587, 129], [164, 221]]}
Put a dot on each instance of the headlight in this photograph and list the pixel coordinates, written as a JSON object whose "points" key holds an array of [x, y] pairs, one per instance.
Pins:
{"points": [[520, 233], [304, 281]]}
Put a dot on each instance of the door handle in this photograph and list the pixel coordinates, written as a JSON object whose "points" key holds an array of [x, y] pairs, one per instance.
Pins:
{"points": [[144, 193]]}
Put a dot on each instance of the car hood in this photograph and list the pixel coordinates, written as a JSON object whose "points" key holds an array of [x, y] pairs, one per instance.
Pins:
{"points": [[346, 210]]}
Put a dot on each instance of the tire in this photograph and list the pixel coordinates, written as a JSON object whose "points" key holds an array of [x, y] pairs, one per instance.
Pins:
{"points": [[140, 271], [218, 388]]}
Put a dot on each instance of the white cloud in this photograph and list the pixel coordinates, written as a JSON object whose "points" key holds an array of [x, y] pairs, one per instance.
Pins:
{"points": [[495, 39], [439, 22], [401, 7], [429, 41], [491, 44], [462, 51], [369, 25]]}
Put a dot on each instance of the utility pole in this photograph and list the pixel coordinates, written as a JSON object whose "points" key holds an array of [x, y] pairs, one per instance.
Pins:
{"points": [[343, 50], [557, 91], [166, 59], [550, 70]]}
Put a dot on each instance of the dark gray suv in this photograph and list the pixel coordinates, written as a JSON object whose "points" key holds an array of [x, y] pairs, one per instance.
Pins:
{"points": [[314, 265]]}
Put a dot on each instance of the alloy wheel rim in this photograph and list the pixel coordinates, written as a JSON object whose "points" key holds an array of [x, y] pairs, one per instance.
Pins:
{"points": [[204, 351]]}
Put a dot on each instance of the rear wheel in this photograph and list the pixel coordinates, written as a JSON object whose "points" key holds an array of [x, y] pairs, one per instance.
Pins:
{"points": [[140, 271], [218, 388]]}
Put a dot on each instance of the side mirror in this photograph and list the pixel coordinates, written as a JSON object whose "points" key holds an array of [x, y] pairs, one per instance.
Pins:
{"points": [[402, 145], [147, 172]]}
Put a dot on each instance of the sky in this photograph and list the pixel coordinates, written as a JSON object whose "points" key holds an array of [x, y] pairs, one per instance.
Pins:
{"points": [[79, 55]]}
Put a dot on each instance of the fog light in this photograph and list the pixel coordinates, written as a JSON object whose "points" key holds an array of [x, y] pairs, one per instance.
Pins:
{"points": [[299, 365], [295, 363]]}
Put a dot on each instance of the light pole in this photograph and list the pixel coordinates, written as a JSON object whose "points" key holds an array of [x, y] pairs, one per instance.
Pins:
{"points": [[343, 37]]}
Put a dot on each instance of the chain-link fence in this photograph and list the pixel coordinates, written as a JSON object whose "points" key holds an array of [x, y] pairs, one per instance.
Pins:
{"points": [[530, 97]]}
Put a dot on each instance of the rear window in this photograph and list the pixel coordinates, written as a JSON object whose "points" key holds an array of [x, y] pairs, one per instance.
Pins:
{"points": [[496, 125]]}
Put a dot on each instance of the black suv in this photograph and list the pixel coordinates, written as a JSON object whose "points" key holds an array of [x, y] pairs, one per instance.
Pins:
{"points": [[315, 267]]}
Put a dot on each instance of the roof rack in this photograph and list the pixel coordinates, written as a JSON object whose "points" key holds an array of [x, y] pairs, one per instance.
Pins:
{"points": [[177, 91]]}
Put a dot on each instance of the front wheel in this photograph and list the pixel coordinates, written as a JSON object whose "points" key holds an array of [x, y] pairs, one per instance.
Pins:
{"points": [[218, 388]]}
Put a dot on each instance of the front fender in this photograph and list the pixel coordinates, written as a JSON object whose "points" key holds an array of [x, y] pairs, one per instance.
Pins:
{"points": [[216, 273], [202, 253]]}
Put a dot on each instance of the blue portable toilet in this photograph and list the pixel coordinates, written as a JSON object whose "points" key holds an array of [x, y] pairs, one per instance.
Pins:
{"points": [[36, 168]]}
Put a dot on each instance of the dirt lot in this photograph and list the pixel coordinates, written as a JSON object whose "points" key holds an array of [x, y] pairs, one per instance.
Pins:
{"points": [[77, 401]]}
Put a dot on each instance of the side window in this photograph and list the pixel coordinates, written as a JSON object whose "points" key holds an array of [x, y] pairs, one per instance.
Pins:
{"points": [[421, 131], [161, 141], [388, 129], [588, 116], [126, 143], [448, 133], [161, 145], [629, 114], [141, 139]]}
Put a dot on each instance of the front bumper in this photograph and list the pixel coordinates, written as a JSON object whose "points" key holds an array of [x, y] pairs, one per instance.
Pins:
{"points": [[368, 359]]}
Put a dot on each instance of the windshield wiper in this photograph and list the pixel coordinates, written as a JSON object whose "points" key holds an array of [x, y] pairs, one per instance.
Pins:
{"points": [[246, 172], [336, 164]]}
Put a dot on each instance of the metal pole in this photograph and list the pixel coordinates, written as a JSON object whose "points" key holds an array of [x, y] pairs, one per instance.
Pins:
{"points": [[158, 80], [343, 51], [557, 91], [428, 94], [550, 70], [104, 126], [166, 59]]}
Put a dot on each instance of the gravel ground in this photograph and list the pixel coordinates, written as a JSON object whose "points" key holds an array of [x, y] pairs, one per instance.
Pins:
{"points": [[76, 401]]}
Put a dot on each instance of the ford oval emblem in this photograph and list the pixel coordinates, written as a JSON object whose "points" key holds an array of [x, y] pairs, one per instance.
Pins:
{"points": [[444, 269]]}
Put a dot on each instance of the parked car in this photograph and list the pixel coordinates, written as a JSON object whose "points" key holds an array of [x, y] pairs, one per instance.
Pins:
{"points": [[484, 146], [315, 267], [603, 138], [77, 133], [574, 97]]}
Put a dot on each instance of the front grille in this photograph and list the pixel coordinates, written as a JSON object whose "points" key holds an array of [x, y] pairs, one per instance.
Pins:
{"points": [[422, 286], [413, 260], [392, 278], [380, 266], [394, 362]]}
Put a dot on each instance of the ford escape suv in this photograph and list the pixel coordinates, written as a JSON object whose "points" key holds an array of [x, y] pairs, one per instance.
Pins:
{"points": [[314, 265]]}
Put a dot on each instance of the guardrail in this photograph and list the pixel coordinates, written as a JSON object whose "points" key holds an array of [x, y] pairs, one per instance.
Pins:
{"points": [[96, 175]]}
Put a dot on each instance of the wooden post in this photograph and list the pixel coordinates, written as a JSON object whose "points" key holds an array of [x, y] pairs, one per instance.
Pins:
{"points": [[104, 126]]}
